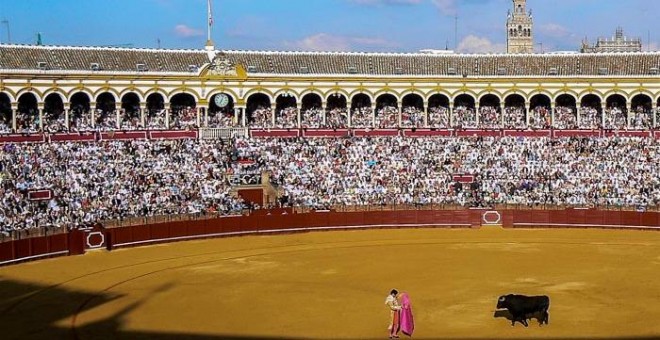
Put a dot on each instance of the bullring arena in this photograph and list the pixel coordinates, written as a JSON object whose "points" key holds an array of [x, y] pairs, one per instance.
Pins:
{"points": [[331, 284], [222, 194]]}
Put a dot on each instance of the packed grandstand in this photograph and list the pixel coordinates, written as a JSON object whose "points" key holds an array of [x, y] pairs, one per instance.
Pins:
{"points": [[391, 130]]}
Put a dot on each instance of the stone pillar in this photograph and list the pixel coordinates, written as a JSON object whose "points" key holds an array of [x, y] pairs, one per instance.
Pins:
{"points": [[426, 114], [373, 116], [400, 114], [451, 116], [350, 116], [628, 114], [299, 115], [237, 119], [143, 115], [92, 113], [654, 114], [167, 115], [502, 116], [67, 123], [42, 114], [478, 114], [198, 117], [118, 113], [14, 116], [273, 108], [552, 114], [579, 114], [205, 111], [324, 118], [528, 112], [243, 115]]}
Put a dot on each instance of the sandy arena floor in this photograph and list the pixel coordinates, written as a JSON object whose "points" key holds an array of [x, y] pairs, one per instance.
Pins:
{"points": [[332, 285]]}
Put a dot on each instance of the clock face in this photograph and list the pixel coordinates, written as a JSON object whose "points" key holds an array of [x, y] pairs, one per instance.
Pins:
{"points": [[221, 100]]}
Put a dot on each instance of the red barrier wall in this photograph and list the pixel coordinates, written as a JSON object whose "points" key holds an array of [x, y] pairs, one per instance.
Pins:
{"points": [[42, 247], [285, 221]]}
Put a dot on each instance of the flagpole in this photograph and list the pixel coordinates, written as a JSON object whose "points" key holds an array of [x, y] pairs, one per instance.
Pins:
{"points": [[209, 25]]}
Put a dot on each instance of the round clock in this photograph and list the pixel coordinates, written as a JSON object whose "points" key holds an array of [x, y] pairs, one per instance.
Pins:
{"points": [[221, 100]]}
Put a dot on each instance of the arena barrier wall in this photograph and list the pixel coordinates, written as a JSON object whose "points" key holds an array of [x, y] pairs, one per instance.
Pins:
{"points": [[286, 221], [36, 248]]}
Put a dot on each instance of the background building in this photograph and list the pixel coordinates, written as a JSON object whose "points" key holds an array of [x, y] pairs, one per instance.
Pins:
{"points": [[618, 43], [519, 24]]}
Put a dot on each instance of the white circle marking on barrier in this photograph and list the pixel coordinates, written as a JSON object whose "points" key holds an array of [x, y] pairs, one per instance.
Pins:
{"points": [[100, 244], [487, 217]]}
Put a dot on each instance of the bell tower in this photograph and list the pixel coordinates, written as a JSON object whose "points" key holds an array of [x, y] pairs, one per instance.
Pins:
{"points": [[519, 24]]}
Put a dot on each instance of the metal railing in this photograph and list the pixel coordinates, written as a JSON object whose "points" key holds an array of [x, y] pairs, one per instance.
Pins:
{"points": [[222, 133]]}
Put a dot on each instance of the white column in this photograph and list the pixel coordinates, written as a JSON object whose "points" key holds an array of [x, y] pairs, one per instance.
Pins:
{"points": [[400, 114], [350, 115], [451, 115], [324, 118], [373, 116], [528, 112], [14, 116], [118, 113], [478, 114], [426, 114], [299, 115], [92, 113], [67, 123], [502, 116], [628, 113], [167, 115], [243, 116], [42, 114], [198, 118], [273, 107], [654, 113], [552, 115], [237, 116], [143, 115]]}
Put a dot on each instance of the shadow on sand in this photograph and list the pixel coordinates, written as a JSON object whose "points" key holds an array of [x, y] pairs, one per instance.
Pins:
{"points": [[31, 311]]}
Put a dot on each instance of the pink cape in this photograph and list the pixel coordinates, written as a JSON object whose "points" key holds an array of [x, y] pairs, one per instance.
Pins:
{"points": [[407, 322]]}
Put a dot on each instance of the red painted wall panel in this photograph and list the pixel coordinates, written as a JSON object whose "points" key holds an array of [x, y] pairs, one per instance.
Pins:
{"points": [[22, 248], [6, 251], [40, 245], [59, 242]]}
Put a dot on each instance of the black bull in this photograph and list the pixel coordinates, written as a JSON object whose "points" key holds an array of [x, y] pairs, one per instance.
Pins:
{"points": [[521, 306]]}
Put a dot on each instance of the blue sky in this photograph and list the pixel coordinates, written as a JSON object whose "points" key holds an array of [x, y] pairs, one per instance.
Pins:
{"points": [[339, 25]]}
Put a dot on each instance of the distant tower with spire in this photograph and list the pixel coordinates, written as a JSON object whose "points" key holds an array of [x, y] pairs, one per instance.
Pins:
{"points": [[519, 24]]}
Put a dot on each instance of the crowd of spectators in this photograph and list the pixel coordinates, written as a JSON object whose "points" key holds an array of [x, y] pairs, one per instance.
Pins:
{"points": [[515, 117], [565, 118], [616, 118], [287, 117], [489, 117], [362, 117], [641, 118], [465, 117], [183, 118], [337, 118], [221, 119], [312, 118], [371, 171], [438, 117], [100, 181], [590, 118], [412, 117], [540, 118], [387, 117], [261, 117]]}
